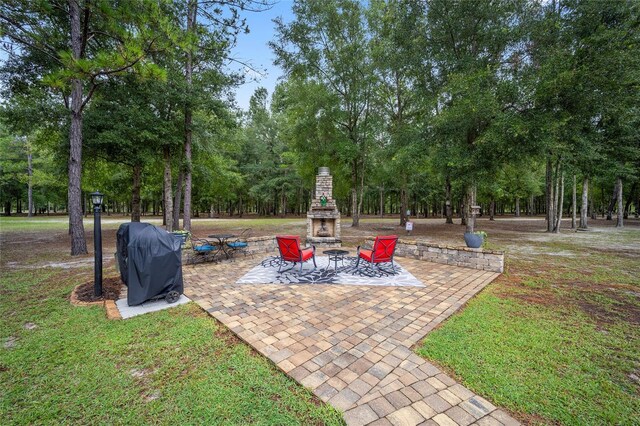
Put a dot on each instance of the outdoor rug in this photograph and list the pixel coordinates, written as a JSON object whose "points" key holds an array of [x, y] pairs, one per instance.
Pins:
{"points": [[267, 273]]}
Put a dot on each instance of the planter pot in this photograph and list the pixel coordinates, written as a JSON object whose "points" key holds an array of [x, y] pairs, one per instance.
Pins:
{"points": [[473, 240], [182, 236]]}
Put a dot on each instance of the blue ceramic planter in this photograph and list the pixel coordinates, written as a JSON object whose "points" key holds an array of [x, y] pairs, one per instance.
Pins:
{"points": [[473, 240]]}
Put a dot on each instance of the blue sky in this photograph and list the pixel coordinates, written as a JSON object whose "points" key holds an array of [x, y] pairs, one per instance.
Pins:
{"points": [[253, 48]]}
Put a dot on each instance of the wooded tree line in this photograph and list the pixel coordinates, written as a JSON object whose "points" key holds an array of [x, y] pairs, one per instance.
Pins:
{"points": [[428, 106]]}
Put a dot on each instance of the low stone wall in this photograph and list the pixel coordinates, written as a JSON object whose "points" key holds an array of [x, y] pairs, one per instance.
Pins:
{"points": [[262, 244], [486, 260]]}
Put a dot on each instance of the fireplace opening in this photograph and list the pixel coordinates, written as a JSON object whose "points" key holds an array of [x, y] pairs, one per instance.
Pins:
{"points": [[323, 227]]}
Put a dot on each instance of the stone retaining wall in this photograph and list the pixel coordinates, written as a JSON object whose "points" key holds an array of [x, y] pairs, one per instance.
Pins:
{"points": [[486, 260], [262, 244]]}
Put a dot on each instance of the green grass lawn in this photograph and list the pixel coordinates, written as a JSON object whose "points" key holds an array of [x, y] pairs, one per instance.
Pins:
{"points": [[556, 339], [177, 366], [49, 223]]}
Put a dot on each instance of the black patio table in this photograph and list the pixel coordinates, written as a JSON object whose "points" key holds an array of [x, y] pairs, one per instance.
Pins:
{"points": [[336, 255], [222, 240]]}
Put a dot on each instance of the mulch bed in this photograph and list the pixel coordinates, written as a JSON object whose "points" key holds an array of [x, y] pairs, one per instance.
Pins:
{"points": [[110, 290]]}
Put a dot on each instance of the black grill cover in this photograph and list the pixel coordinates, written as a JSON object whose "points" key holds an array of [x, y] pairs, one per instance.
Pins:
{"points": [[150, 261]]}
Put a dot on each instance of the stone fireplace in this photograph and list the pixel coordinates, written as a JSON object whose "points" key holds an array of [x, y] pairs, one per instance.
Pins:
{"points": [[323, 218]]}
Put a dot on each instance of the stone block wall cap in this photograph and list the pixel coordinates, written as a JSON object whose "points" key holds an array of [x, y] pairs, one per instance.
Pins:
{"points": [[425, 243], [410, 242], [262, 238]]}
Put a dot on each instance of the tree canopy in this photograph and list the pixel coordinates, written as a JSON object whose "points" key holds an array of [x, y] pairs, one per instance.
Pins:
{"points": [[420, 107]]}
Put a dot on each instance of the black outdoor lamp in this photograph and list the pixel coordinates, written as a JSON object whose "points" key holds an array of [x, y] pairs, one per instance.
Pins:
{"points": [[96, 200]]}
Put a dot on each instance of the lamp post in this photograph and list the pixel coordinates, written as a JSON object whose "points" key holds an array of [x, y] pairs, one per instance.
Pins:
{"points": [[96, 200]]}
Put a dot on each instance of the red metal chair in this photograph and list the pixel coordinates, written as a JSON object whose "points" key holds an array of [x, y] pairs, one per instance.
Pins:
{"points": [[382, 251], [290, 251]]}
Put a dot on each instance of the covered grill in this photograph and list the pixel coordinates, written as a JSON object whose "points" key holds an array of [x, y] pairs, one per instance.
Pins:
{"points": [[150, 263]]}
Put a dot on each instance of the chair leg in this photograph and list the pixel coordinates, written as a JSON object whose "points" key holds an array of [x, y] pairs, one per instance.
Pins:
{"points": [[301, 265], [314, 262], [357, 262]]}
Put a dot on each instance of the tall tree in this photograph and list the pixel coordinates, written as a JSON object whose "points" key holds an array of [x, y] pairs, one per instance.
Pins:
{"points": [[211, 28], [192, 16], [583, 94], [135, 132], [75, 47], [396, 53], [327, 43], [473, 45]]}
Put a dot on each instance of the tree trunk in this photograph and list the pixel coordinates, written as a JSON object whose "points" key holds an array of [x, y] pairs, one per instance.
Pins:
{"points": [[404, 205], [361, 195], [492, 209], [188, 116], [517, 207], [584, 208], [135, 193], [382, 201], [283, 202], [30, 181], [74, 195], [556, 183], [355, 217], [612, 203], [574, 204], [177, 201], [530, 206], [627, 204], [168, 197], [558, 221], [468, 208], [549, 195], [448, 205], [619, 223]]}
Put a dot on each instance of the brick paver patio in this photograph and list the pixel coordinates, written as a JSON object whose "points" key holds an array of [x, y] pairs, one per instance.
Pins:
{"points": [[351, 344]]}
